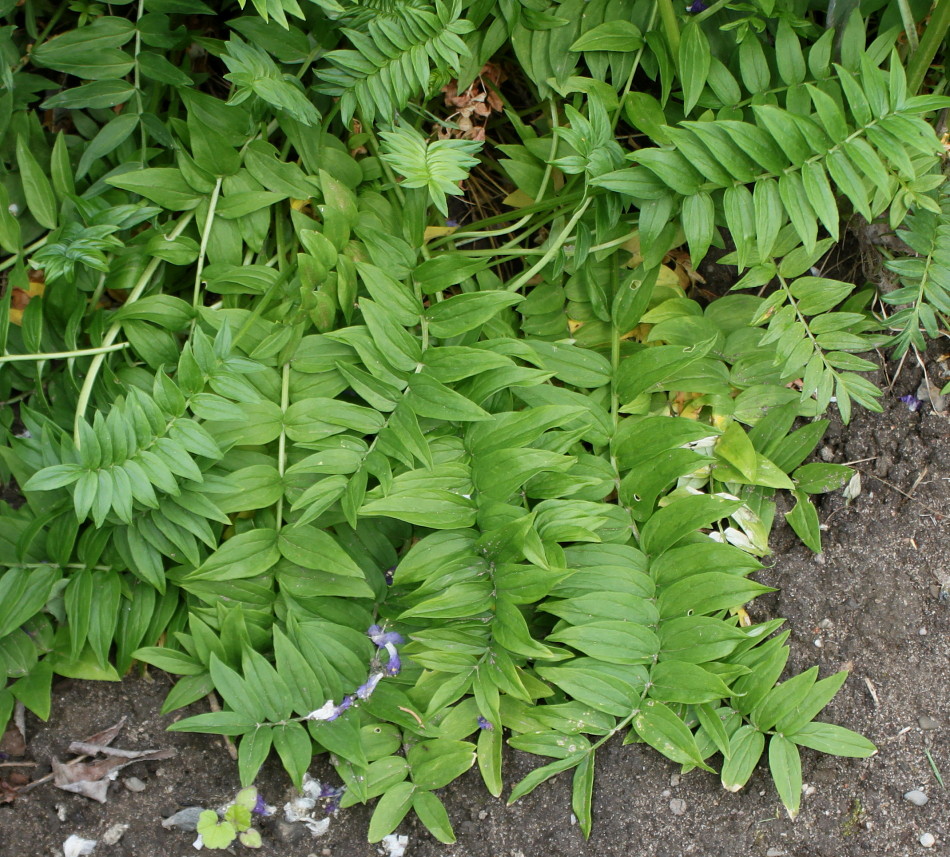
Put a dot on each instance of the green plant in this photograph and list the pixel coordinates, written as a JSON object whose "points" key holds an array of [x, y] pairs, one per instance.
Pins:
{"points": [[218, 833], [395, 487]]}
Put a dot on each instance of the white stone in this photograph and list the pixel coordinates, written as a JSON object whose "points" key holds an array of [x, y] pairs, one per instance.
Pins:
{"points": [[927, 840]]}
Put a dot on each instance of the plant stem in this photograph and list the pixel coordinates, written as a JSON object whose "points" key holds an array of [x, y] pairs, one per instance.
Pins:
{"points": [[140, 285], [205, 236], [282, 440], [63, 355], [10, 261], [559, 242]]}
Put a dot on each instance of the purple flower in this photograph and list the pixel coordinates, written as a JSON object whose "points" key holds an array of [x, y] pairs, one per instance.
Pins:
{"points": [[365, 691], [345, 703], [394, 665], [696, 6], [261, 807], [451, 223], [485, 724], [383, 638], [912, 402]]}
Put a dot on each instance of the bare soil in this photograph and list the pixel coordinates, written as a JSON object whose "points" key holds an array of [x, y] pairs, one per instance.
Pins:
{"points": [[874, 602]]}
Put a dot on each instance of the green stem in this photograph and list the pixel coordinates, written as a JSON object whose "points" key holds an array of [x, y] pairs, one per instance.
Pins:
{"points": [[54, 18], [934, 35], [526, 217], [141, 284], [63, 355], [10, 261], [136, 82], [710, 11], [633, 71], [205, 237], [282, 440], [558, 243]]}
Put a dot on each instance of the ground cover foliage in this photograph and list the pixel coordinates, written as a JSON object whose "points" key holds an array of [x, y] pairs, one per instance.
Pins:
{"points": [[355, 369]]}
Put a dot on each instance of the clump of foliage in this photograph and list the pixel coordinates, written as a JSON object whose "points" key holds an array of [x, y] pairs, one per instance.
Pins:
{"points": [[219, 833], [400, 489]]}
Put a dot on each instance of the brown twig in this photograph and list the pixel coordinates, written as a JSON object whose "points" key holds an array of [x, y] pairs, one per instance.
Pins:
{"points": [[17, 764]]}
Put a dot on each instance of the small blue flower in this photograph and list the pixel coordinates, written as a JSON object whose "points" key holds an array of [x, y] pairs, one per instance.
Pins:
{"points": [[912, 402], [485, 724], [383, 638], [394, 665], [345, 703], [261, 807], [365, 691], [696, 6]]}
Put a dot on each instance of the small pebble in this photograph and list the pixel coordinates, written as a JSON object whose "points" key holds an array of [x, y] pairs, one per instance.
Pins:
{"points": [[927, 840], [674, 780], [775, 852], [916, 797], [677, 806], [825, 624], [818, 643], [928, 723], [134, 784], [482, 814], [922, 632], [114, 834], [808, 790]]}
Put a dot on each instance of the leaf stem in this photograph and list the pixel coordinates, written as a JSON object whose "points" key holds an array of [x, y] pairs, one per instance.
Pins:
{"points": [[558, 243], [205, 237], [141, 284], [63, 355]]}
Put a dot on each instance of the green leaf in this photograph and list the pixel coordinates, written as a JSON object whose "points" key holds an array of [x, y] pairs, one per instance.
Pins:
{"points": [[316, 549], [803, 519], [674, 522], [489, 756], [214, 833], [430, 398], [581, 793], [465, 312], [675, 681], [434, 508], [542, 774], [835, 740], [97, 95], [708, 592], [293, 745], [33, 690], [245, 555], [818, 696], [163, 185], [665, 732], [694, 62], [746, 746], [618, 35], [432, 814], [785, 765], [391, 810], [612, 641], [36, 186]]}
